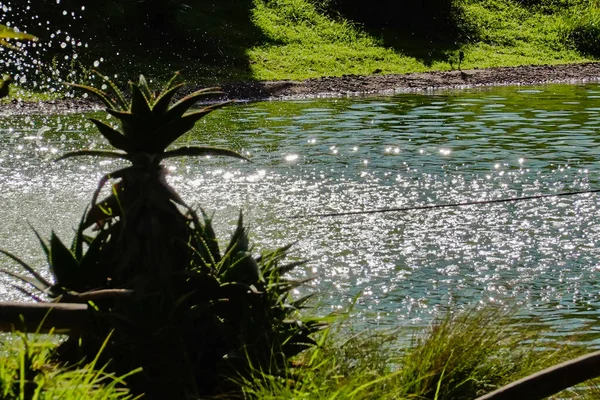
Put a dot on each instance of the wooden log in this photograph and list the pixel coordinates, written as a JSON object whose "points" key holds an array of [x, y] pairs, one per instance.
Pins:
{"points": [[45, 317], [550, 381]]}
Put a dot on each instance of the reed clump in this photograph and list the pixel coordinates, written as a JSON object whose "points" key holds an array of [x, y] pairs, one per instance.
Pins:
{"points": [[461, 355]]}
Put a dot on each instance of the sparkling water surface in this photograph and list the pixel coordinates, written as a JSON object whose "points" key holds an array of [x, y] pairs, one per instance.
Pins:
{"points": [[315, 157]]}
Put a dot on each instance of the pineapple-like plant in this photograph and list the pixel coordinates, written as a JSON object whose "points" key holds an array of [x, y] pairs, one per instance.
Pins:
{"points": [[149, 232], [194, 317]]}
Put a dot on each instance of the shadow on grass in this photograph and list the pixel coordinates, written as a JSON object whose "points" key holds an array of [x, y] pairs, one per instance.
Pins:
{"points": [[428, 30]]}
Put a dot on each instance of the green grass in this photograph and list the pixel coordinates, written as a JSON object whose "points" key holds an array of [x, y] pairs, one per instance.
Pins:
{"points": [[20, 93], [28, 372], [306, 44], [218, 41], [460, 356]]}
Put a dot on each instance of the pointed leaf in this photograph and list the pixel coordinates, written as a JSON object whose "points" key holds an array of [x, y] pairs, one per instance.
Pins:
{"points": [[171, 82], [41, 286], [133, 120], [79, 240], [297, 304], [27, 268], [93, 273], [94, 153], [201, 250], [28, 293], [42, 243], [199, 151], [275, 255], [135, 126], [239, 240], [289, 267], [143, 84], [9, 33], [108, 102], [183, 105], [88, 239], [177, 127], [63, 264], [114, 137], [161, 105], [243, 269], [140, 105], [118, 94], [104, 210], [209, 239]]}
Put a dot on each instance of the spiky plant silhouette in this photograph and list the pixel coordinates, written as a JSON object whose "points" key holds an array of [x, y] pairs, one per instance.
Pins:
{"points": [[193, 317]]}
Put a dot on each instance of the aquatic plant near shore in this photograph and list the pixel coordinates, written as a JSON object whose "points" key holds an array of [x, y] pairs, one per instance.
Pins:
{"points": [[191, 316], [460, 355]]}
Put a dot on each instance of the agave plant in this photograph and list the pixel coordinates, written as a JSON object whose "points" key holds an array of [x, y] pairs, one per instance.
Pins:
{"points": [[192, 316], [142, 214]]}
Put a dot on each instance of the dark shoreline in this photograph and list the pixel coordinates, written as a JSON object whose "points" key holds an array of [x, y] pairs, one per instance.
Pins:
{"points": [[353, 85]]}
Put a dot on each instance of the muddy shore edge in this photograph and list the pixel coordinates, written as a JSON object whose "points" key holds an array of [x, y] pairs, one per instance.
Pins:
{"points": [[353, 85]]}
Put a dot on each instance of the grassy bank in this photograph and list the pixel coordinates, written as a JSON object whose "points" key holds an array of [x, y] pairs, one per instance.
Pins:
{"points": [[215, 41], [459, 356], [305, 43]]}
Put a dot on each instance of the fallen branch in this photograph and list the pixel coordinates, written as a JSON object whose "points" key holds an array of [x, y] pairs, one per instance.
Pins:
{"points": [[97, 295], [45, 317], [550, 381]]}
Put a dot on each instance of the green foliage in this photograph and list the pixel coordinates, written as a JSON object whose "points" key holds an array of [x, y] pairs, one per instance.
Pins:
{"points": [[7, 33], [149, 122], [583, 30], [4, 83], [490, 33], [550, 6], [306, 43], [216, 41], [28, 372], [460, 356]]}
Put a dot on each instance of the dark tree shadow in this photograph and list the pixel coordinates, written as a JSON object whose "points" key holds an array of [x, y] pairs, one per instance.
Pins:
{"points": [[157, 37], [429, 30]]}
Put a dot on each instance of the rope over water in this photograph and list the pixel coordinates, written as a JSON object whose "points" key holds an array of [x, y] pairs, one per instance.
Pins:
{"points": [[431, 206]]}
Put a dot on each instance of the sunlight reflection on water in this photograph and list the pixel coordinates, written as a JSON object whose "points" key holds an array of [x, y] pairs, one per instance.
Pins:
{"points": [[317, 157]]}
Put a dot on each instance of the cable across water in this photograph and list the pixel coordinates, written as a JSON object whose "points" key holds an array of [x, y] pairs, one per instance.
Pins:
{"points": [[432, 206]]}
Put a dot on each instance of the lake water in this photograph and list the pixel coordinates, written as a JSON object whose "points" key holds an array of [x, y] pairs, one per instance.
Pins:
{"points": [[317, 157]]}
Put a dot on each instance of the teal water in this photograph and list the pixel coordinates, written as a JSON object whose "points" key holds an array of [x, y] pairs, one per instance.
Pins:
{"points": [[314, 157]]}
